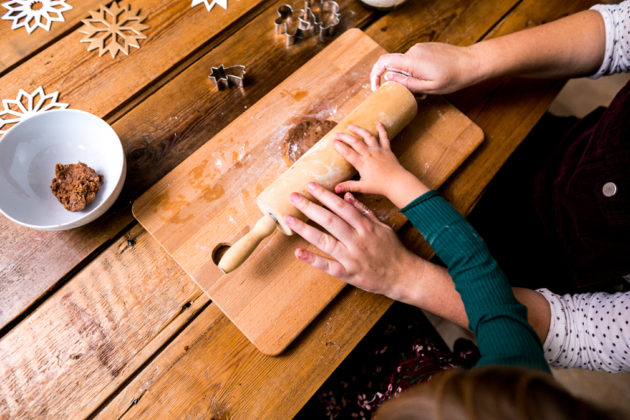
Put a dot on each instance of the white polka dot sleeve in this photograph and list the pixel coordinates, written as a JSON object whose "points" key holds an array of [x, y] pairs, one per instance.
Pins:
{"points": [[589, 331], [617, 22]]}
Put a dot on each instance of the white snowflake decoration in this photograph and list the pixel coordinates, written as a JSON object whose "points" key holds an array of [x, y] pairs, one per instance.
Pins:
{"points": [[26, 105], [210, 3], [32, 14]]}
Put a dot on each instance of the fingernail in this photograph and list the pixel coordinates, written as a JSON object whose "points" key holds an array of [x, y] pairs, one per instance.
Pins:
{"points": [[388, 76], [349, 197], [295, 198], [311, 186], [289, 220]]}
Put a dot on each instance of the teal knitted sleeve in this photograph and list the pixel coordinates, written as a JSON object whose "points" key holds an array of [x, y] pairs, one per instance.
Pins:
{"points": [[497, 319]]}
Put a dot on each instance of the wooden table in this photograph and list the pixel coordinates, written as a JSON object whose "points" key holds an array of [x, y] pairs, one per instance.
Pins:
{"points": [[99, 321]]}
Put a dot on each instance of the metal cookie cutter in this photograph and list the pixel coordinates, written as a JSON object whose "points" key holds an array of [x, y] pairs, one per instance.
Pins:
{"points": [[319, 17], [223, 77], [293, 24], [327, 16]]}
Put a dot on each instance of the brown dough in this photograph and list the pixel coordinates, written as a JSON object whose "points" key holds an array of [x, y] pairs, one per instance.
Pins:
{"points": [[303, 136], [75, 185]]}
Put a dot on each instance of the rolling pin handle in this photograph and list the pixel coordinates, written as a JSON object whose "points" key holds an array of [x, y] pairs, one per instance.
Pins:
{"points": [[243, 248]]}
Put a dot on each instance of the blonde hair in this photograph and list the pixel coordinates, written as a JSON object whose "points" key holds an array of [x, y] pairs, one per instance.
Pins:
{"points": [[487, 393]]}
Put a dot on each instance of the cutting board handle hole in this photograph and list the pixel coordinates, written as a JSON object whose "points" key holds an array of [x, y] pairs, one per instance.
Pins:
{"points": [[219, 251]]}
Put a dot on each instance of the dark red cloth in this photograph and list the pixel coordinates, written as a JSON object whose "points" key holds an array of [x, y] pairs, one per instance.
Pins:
{"points": [[591, 229], [400, 351]]}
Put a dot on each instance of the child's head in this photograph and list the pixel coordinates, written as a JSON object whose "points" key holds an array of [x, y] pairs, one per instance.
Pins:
{"points": [[488, 393]]}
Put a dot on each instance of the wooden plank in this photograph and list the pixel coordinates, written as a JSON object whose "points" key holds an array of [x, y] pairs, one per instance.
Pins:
{"points": [[237, 383], [32, 262], [18, 44], [87, 338], [210, 198], [229, 370], [229, 391], [168, 127], [101, 84], [434, 21], [212, 371], [33, 397], [150, 135]]}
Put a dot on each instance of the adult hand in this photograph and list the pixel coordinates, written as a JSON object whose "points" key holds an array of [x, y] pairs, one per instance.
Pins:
{"points": [[365, 252], [428, 67]]}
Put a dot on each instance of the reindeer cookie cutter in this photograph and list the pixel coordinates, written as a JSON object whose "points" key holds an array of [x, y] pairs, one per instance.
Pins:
{"points": [[318, 17]]}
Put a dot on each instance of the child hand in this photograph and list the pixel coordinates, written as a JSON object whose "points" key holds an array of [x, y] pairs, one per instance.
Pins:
{"points": [[380, 171], [372, 157]]}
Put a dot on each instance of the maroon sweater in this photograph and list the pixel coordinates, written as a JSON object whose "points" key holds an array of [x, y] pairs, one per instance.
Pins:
{"points": [[583, 195]]}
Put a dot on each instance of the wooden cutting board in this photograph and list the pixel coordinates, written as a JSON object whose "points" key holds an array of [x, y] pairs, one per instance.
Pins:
{"points": [[209, 199]]}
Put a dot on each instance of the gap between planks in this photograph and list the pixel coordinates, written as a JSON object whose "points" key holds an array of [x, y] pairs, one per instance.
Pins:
{"points": [[138, 98], [187, 61], [156, 354], [464, 204], [143, 393]]}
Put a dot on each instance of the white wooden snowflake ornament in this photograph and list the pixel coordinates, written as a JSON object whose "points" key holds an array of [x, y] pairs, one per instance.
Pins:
{"points": [[33, 14], [25, 105], [210, 3]]}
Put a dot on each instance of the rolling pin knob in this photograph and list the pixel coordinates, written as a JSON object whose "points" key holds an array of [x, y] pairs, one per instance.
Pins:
{"points": [[238, 253]]}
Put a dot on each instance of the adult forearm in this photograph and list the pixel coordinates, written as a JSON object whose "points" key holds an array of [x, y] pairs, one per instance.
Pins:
{"points": [[569, 47], [433, 290]]}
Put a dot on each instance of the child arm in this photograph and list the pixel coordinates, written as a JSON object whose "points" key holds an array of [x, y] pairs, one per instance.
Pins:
{"points": [[378, 167]]}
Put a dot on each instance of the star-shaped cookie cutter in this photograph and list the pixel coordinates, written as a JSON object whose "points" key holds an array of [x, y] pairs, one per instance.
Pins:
{"points": [[319, 17], [223, 77]]}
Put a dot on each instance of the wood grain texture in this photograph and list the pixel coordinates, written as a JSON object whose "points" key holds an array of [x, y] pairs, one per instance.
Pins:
{"points": [[415, 22], [157, 135], [239, 387], [197, 378], [100, 84], [150, 394], [18, 44], [86, 339], [209, 199], [32, 262]]}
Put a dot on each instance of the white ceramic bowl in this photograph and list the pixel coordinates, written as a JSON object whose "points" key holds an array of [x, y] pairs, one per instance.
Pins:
{"points": [[29, 152]]}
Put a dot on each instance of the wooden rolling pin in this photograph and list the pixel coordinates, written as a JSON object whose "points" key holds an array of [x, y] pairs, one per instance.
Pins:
{"points": [[391, 104]]}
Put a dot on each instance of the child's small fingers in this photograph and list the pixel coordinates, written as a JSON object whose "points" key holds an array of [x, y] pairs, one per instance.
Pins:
{"points": [[357, 144], [349, 186], [346, 151], [369, 139], [382, 135]]}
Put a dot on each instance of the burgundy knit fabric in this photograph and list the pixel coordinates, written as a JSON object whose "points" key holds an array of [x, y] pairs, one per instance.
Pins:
{"points": [[591, 228]]}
